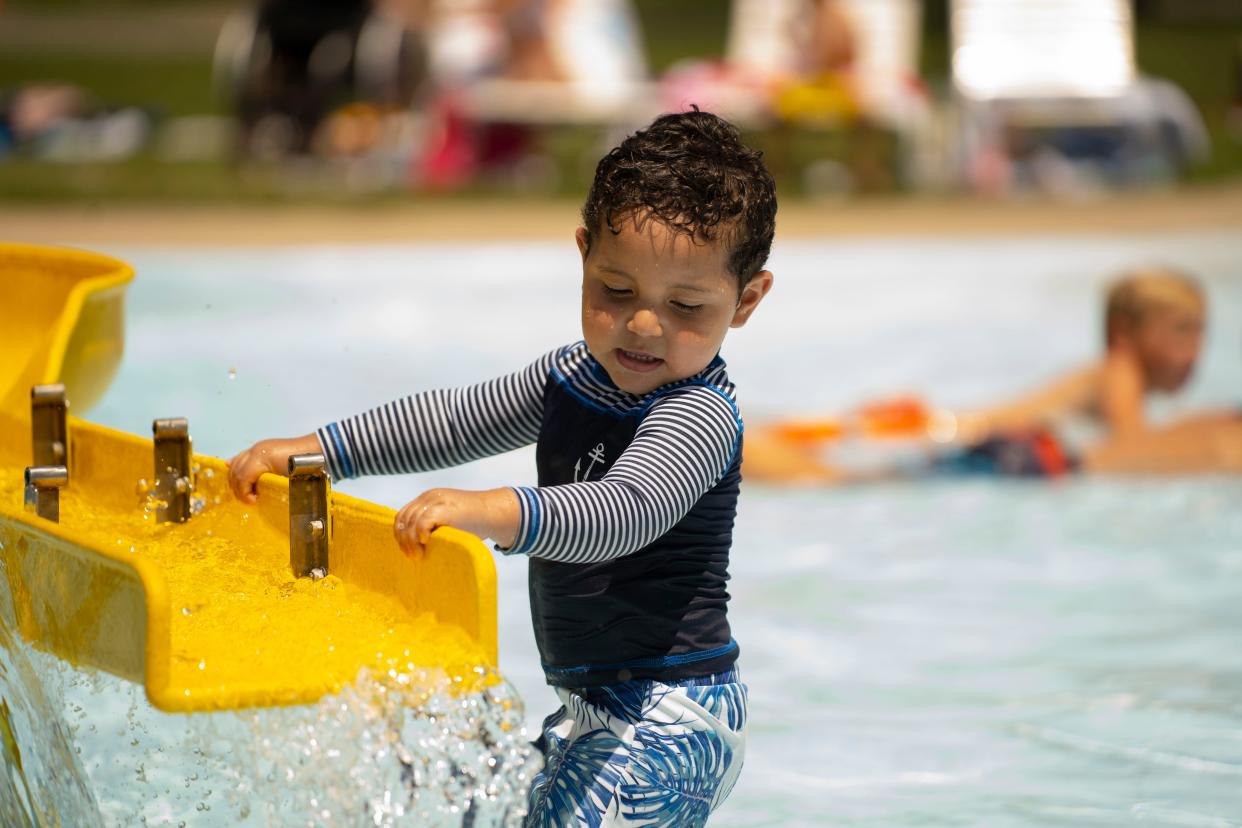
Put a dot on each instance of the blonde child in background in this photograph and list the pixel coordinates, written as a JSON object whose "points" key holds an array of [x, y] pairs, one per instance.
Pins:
{"points": [[1153, 334]]}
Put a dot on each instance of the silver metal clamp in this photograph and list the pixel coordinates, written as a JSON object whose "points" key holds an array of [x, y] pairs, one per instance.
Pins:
{"points": [[309, 527], [173, 481], [48, 436], [43, 485]]}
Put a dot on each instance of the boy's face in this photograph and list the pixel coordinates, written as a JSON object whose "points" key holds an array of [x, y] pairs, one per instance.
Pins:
{"points": [[656, 304], [1167, 342]]}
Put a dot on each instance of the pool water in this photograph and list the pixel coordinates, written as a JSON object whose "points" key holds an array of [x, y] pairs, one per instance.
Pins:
{"points": [[949, 652]]}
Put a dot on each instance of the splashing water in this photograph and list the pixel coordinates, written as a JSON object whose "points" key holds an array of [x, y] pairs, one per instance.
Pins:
{"points": [[378, 753], [400, 745], [367, 755], [43, 783]]}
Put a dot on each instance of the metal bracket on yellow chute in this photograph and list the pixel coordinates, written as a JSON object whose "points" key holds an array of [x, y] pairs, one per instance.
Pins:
{"points": [[49, 440], [173, 478], [309, 515], [42, 495]]}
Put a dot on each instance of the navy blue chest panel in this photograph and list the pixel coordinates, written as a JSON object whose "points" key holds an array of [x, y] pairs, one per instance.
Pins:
{"points": [[659, 612], [578, 440]]}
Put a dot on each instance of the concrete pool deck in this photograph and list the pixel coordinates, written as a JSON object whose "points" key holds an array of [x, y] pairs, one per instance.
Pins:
{"points": [[1204, 208]]}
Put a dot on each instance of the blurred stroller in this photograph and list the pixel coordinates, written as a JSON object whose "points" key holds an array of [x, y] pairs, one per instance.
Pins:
{"points": [[285, 65]]}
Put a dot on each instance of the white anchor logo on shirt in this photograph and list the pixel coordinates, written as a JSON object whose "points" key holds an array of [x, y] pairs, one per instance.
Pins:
{"points": [[597, 456]]}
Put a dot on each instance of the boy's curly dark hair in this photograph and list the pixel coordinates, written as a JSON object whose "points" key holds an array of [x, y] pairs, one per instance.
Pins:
{"points": [[691, 172]]}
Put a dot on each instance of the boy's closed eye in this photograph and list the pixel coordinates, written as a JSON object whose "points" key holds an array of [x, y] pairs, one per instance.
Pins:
{"points": [[625, 293]]}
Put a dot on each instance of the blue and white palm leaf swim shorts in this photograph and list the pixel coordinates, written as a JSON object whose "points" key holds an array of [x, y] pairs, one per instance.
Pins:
{"points": [[640, 753]]}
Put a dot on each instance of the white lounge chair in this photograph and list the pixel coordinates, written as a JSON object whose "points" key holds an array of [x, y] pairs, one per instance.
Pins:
{"points": [[1062, 64]]}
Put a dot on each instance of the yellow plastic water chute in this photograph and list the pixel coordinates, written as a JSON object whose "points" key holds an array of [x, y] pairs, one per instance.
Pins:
{"points": [[62, 319], [205, 614]]}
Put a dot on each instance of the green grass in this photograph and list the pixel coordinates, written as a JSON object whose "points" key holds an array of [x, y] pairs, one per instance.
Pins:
{"points": [[133, 180], [676, 30], [1198, 58], [71, 5], [171, 86]]}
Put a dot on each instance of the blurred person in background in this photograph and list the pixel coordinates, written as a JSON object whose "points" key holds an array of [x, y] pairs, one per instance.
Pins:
{"points": [[591, 49], [1196, 445], [35, 110], [1154, 320], [321, 75], [56, 121], [811, 64], [790, 58], [287, 65], [1153, 334], [589, 42], [782, 41]]}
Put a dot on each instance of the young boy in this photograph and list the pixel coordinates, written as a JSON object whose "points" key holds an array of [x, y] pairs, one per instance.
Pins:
{"points": [[1153, 332], [638, 451]]}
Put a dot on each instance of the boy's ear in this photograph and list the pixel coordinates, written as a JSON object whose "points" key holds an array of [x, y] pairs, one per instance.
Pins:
{"points": [[1121, 336], [752, 295], [580, 236]]}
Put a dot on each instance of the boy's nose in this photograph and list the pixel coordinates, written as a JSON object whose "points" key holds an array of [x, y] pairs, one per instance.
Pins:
{"points": [[644, 323]]}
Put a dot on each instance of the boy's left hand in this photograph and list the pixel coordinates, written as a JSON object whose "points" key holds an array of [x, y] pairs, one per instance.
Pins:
{"points": [[491, 514]]}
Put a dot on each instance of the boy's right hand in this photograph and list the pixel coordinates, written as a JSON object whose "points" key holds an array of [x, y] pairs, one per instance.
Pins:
{"points": [[266, 456]]}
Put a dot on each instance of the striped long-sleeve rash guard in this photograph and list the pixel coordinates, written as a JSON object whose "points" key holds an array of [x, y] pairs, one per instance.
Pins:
{"points": [[629, 529]]}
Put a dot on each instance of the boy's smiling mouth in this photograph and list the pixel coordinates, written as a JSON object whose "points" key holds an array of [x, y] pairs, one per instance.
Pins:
{"points": [[637, 360]]}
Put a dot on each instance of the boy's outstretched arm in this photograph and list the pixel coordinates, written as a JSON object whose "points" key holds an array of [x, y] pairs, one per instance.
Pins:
{"points": [[423, 432], [441, 428]]}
